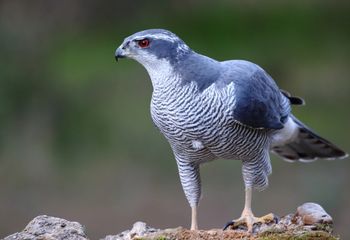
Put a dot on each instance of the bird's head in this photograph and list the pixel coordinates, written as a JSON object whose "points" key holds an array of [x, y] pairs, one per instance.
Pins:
{"points": [[152, 44], [157, 50]]}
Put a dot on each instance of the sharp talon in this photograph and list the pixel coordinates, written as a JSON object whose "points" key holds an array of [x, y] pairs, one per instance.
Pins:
{"points": [[230, 223]]}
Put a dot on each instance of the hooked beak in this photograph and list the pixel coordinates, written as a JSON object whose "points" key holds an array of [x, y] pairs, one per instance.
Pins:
{"points": [[119, 53]]}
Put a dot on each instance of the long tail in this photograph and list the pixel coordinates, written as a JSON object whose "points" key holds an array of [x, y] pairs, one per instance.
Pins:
{"points": [[308, 146]]}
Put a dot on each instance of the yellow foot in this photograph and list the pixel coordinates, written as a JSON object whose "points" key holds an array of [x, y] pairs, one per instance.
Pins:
{"points": [[249, 220]]}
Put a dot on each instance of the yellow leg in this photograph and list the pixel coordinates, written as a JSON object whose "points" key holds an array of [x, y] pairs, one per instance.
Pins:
{"points": [[248, 217], [194, 221]]}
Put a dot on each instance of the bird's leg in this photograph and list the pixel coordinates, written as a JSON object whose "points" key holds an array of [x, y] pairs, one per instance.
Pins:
{"points": [[248, 217], [194, 221], [191, 184]]}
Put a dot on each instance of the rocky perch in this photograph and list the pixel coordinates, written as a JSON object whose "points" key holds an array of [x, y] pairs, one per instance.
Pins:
{"points": [[310, 221]]}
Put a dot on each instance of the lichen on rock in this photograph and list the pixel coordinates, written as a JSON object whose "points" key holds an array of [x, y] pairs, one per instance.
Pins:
{"points": [[309, 222], [50, 228]]}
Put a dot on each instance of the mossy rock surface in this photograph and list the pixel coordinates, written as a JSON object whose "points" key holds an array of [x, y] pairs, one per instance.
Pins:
{"points": [[214, 234], [291, 226], [309, 222]]}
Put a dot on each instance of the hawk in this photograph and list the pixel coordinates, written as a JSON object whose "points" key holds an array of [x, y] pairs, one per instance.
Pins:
{"points": [[210, 110]]}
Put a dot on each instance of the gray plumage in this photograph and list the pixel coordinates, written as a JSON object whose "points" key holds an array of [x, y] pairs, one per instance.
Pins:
{"points": [[208, 110]]}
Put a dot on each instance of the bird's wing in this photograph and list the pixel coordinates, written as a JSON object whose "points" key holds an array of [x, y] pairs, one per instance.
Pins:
{"points": [[293, 99], [259, 103]]}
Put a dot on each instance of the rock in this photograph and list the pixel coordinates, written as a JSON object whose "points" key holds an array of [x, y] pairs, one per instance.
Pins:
{"points": [[50, 228], [289, 227], [309, 222], [138, 230], [312, 213]]}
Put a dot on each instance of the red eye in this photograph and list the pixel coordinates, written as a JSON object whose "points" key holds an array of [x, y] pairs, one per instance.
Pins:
{"points": [[143, 43]]}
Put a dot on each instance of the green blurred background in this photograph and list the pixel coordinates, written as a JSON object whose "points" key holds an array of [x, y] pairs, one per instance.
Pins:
{"points": [[76, 137]]}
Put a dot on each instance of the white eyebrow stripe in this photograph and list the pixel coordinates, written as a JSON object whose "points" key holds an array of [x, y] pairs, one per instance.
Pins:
{"points": [[161, 36]]}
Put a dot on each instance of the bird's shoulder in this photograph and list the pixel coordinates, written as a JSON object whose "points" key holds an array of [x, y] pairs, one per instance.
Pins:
{"points": [[242, 72], [259, 102], [202, 70]]}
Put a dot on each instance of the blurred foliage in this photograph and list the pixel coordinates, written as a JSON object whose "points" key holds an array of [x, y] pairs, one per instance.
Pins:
{"points": [[69, 114]]}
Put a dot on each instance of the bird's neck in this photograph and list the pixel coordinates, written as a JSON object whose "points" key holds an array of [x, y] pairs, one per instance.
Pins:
{"points": [[191, 67], [162, 74], [165, 73]]}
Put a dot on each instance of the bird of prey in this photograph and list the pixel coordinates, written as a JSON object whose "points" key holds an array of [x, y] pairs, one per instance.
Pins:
{"points": [[210, 110]]}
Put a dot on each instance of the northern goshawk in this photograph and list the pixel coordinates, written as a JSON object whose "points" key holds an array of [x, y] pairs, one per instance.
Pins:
{"points": [[209, 110]]}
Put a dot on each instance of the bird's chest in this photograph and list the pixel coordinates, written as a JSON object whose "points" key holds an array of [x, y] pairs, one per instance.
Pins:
{"points": [[189, 121], [178, 121]]}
